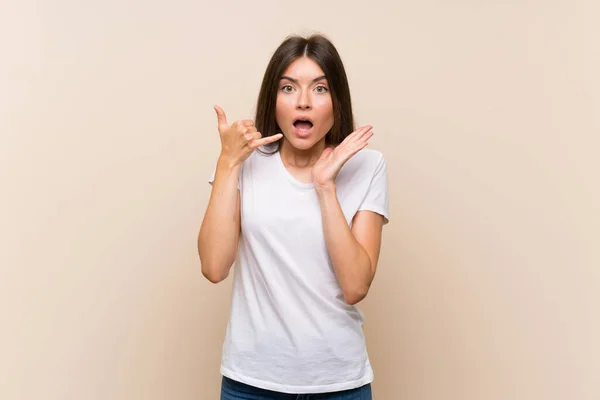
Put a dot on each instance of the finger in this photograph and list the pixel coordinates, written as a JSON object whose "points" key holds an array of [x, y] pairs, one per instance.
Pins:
{"points": [[360, 145], [362, 142], [253, 135], [267, 140], [362, 131], [246, 122], [357, 133], [355, 148], [221, 117], [251, 129], [326, 153], [367, 135]]}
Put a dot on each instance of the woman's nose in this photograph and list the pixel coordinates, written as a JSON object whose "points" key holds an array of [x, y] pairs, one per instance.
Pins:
{"points": [[303, 101]]}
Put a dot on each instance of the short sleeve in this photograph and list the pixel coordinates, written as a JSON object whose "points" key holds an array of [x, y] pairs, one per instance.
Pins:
{"points": [[377, 199]]}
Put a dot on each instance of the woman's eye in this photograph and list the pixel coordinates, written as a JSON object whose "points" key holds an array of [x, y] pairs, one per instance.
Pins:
{"points": [[321, 89], [287, 88]]}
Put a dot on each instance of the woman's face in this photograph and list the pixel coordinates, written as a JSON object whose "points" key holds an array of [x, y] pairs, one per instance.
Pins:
{"points": [[304, 109]]}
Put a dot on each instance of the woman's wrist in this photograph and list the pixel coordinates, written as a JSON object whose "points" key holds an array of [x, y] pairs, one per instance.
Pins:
{"points": [[325, 190], [227, 162]]}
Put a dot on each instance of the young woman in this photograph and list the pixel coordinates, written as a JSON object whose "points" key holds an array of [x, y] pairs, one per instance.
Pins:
{"points": [[298, 204]]}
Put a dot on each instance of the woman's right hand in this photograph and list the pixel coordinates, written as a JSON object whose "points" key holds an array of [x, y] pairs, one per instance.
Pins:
{"points": [[240, 139]]}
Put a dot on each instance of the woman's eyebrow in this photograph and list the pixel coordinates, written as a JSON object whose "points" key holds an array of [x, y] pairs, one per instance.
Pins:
{"points": [[296, 81]]}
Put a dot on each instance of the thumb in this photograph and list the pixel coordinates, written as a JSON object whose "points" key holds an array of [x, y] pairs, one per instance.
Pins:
{"points": [[221, 117], [326, 153]]}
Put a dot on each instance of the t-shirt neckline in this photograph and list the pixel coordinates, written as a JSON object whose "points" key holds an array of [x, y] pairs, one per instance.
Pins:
{"points": [[290, 177]]}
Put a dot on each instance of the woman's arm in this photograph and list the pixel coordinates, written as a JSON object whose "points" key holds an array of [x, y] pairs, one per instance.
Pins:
{"points": [[219, 233], [354, 252]]}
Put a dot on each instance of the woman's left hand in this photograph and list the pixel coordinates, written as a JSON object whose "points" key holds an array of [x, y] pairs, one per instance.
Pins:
{"points": [[332, 159]]}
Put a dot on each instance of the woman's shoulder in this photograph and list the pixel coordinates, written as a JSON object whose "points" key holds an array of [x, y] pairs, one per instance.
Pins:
{"points": [[366, 159], [262, 156], [362, 166]]}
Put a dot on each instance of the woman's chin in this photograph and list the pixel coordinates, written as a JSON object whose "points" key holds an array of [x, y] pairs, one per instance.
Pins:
{"points": [[302, 143]]}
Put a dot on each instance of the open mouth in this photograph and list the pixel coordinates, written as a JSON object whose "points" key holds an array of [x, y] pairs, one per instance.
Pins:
{"points": [[303, 124]]}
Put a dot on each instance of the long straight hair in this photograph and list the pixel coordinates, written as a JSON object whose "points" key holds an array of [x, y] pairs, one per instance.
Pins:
{"points": [[320, 49]]}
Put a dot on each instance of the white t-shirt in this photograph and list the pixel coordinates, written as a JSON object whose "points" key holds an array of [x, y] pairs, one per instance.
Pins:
{"points": [[290, 329]]}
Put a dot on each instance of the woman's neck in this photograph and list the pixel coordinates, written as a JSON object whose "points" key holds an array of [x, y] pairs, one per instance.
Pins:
{"points": [[298, 158]]}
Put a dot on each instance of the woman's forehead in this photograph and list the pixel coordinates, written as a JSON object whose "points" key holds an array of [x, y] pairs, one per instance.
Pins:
{"points": [[303, 69]]}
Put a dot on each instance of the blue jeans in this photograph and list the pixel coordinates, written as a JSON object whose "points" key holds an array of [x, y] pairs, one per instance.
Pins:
{"points": [[234, 390]]}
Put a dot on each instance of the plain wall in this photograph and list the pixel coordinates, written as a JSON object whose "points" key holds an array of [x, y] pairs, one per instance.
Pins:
{"points": [[488, 113]]}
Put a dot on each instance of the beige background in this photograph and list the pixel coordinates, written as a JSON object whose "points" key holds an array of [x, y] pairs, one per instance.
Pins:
{"points": [[488, 113]]}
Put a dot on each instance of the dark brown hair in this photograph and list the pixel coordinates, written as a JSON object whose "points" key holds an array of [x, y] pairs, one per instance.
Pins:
{"points": [[320, 49]]}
